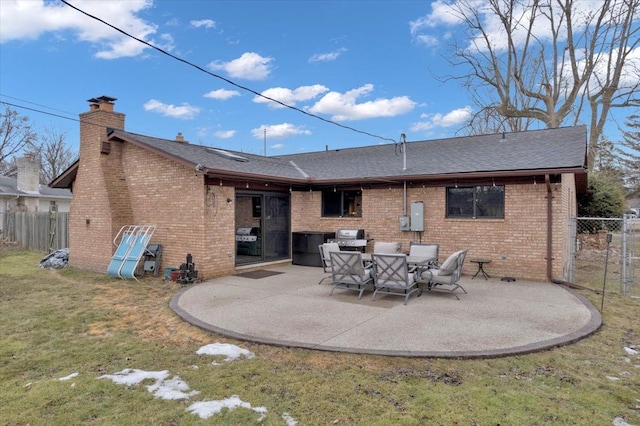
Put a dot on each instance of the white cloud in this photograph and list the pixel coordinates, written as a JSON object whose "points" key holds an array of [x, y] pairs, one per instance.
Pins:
{"points": [[279, 131], [427, 40], [344, 107], [207, 23], [28, 20], [441, 13], [250, 66], [221, 94], [224, 134], [327, 57], [453, 118], [290, 97], [182, 112]]}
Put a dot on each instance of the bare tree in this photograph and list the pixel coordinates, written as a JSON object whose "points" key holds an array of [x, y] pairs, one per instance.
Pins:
{"points": [[630, 154], [546, 60], [16, 134], [53, 153]]}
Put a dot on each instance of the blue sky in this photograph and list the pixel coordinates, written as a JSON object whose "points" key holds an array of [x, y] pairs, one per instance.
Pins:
{"points": [[368, 65]]}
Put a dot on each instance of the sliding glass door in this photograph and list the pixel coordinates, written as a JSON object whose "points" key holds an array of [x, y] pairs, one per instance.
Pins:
{"points": [[263, 229]]}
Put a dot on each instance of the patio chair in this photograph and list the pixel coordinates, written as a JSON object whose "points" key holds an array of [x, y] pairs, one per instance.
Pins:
{"points": [[446, 276], [427, 250], [349, 272], [386, 248], [324, 250], [391, 276]]}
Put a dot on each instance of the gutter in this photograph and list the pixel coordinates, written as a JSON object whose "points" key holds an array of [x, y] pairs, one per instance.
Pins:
{"points": [[547, 181]]}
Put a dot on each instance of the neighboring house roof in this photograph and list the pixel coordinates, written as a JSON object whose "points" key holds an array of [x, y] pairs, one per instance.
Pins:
{"points": [[9, 188], [548, 151]]}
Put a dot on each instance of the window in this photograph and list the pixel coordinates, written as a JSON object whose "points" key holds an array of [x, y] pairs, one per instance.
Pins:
{"points": [[341, 203], [486, 202]]}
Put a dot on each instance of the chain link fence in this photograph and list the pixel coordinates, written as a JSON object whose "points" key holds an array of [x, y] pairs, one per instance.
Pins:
{"points": [[606, 252]]}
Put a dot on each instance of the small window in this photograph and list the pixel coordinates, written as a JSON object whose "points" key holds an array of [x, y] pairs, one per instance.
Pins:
{"points": [[341, 203], [477, 202]]}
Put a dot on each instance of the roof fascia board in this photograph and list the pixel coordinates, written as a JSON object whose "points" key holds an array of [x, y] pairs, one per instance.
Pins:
{"points": [[67, 177]]}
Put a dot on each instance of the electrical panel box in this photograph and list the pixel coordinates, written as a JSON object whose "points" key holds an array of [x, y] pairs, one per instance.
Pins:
{"points": [[405, 223], [417, 216]]}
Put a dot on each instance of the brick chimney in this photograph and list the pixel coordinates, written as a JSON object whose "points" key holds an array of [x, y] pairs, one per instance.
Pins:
{"points": [[28, 174], [180, 138], [101, 204]]}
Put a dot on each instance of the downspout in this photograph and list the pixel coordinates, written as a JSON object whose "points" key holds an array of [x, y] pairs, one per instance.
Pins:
{"points": [[403, 141], [547, 181], [404, 199]]}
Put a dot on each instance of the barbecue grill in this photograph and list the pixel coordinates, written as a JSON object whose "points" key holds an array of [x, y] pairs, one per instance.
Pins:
{"points": [[350, 239], [248, 241]]}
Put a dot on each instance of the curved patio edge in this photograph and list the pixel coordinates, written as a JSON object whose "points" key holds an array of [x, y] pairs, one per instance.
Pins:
{"points": [[593, 325]]}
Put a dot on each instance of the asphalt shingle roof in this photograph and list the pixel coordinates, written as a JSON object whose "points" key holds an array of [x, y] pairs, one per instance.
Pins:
{"points": [[538, 150], [9, 187]]}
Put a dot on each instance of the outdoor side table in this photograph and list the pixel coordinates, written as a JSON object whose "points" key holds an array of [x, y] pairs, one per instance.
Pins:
{"points": [[481, 263]]}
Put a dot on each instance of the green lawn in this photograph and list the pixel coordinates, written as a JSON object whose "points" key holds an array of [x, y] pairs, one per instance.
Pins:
{"points": [[56, 323]]}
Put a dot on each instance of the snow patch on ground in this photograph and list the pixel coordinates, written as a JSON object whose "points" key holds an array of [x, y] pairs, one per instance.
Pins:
{"points": [[174, 388], [69, 377], [206, 409], [230, 352]]}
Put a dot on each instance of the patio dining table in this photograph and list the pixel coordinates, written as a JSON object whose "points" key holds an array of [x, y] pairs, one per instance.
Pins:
{"points": [[412, 261]]}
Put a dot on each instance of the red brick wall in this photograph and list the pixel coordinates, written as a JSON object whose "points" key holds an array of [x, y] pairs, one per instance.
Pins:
{"points": [[190, 217], [516, 245], [96, 207], [130, 186]]}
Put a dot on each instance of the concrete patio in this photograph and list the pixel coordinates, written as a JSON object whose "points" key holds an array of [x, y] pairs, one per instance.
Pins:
{"points": [[290, 308]]}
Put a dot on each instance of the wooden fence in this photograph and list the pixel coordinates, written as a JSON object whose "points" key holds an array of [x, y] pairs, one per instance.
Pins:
{"points": [[40, 231]]}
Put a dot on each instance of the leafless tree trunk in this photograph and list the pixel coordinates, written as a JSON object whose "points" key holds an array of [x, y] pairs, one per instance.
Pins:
{"points": [[547, 60], [16, 133]]}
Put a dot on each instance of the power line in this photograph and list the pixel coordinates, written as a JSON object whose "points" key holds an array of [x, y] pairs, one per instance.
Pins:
{"points": [[40, 111], [177, 58]]}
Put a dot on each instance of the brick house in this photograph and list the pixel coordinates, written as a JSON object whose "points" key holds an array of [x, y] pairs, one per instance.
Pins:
{"points": [[506, 197]]}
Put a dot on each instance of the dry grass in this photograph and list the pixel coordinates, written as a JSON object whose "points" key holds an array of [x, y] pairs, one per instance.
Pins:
{"points": [[57, 322]]}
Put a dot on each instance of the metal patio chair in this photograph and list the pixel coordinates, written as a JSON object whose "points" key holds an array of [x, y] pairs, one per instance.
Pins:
{"points": [[446, 276], [426, 250], [391, 276], [324, 250], [349, 272], [387, 247]]}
